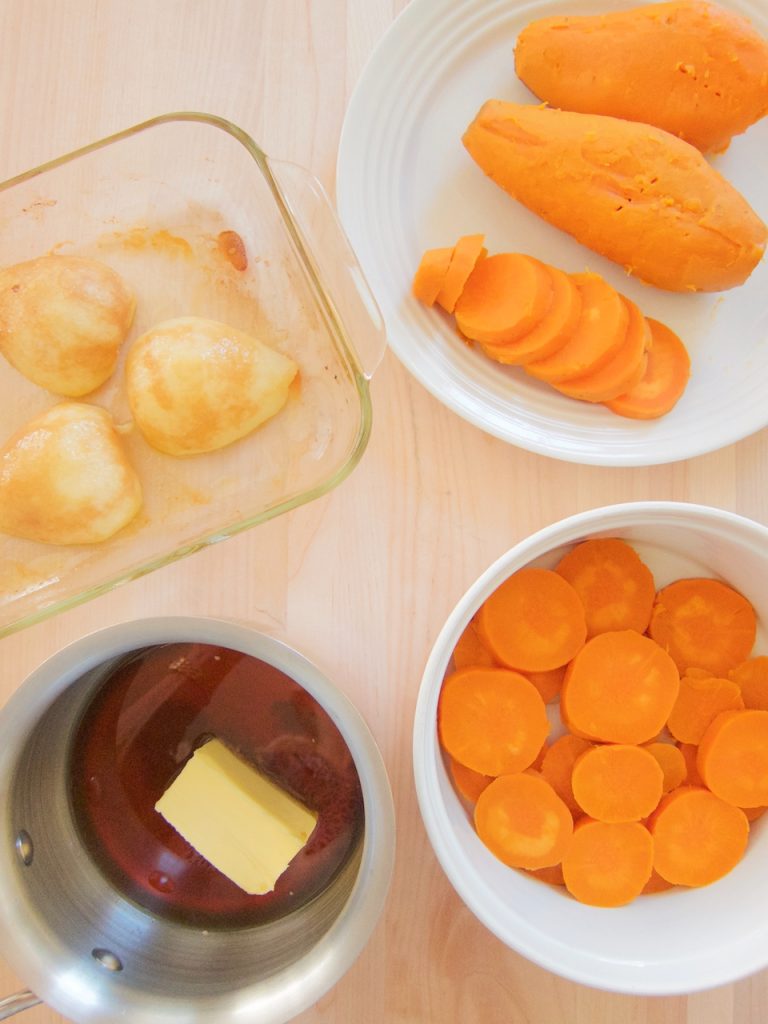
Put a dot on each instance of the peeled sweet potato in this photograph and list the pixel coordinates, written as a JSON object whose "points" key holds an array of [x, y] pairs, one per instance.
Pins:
{"points": [[631, 192], [691, 68]]}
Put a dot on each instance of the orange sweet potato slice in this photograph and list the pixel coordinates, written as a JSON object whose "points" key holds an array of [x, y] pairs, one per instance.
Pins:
{"points": [[506, 296], [624, 369], [599, 333], [552, 331], [492, 720], [662, 385], [523, 821], [430, 274], [464, 257]]}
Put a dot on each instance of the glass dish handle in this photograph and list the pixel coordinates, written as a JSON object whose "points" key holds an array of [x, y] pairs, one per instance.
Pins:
{"points": [[335, 265], [14, 1004]]}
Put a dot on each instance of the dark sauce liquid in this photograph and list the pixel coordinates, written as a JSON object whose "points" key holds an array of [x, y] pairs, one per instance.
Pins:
{"points": [[138, 732]]}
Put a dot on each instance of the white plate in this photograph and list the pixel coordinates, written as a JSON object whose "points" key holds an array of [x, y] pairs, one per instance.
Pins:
{"points": [[405, 184]]}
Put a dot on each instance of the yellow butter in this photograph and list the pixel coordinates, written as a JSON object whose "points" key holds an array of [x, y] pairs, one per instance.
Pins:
{"points": [[238, 820]]}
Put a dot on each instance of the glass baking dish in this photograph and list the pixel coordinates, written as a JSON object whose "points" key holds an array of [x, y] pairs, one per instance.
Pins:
{"points": [[159, 203]]}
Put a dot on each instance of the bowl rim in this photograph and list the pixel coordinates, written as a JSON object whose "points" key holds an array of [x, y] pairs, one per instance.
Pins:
{"points": [[633, 978]]}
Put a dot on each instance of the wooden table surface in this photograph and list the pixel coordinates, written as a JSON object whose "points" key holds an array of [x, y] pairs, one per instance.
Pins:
{"points": [[362, 579]]}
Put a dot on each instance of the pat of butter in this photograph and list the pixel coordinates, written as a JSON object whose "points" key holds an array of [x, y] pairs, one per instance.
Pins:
{"points": [[238, 820]]}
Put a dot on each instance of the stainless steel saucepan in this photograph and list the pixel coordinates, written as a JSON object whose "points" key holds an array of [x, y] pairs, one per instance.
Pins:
{"points": [[97, 958]]}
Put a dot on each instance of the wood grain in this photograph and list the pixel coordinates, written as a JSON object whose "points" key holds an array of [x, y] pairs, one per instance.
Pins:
{"points": [[362, 579]]}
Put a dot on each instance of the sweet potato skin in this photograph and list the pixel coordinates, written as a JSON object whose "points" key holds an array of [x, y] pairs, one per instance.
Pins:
{"points": [[692, 68], [631, 192]]}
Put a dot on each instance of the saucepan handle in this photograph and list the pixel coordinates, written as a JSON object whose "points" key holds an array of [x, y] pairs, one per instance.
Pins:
{"points": [[16, 1003]]}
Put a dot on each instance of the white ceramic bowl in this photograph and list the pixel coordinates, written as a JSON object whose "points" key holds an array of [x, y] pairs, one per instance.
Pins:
{"points": [[672, 942]]}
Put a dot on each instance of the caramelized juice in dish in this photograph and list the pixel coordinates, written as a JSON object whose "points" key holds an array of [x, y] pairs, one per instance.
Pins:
{"points": [[142, 726]]}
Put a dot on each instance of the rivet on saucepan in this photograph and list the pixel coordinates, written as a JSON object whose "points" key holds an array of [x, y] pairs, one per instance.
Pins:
{"points": [[24, 847], [108, 960]]}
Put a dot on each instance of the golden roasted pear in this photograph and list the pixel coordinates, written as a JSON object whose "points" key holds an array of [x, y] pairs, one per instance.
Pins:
{"points": [[65, 478], [196, 385], [63, 320]]}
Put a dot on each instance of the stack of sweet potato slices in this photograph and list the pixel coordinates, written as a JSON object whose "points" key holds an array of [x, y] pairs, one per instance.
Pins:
{"points": [[576, 332]]}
